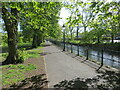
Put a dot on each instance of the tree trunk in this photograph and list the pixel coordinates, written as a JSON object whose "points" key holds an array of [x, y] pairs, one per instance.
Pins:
{"points": [[98, 39], [34, 43], [112, 37], [85, 29], [40, 39], [43, 38], [11, 23], [12, 47]]}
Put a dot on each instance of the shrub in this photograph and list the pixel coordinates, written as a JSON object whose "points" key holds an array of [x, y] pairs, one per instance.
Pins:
{"points": [[22, 55]]}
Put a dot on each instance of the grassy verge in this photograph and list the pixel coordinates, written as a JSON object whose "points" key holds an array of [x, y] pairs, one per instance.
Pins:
{"points": [[34, 53], [31, 53], [14, 73]]}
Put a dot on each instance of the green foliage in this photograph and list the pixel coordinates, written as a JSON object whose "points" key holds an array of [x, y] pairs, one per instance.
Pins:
{"points": [[4, 39], [22, 55], [3, 56], [37, 20], [40, 20], [74, 41], [96, 20]]}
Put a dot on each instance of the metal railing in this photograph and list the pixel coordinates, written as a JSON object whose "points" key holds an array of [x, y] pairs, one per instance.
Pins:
{"points": [[87, 54]]}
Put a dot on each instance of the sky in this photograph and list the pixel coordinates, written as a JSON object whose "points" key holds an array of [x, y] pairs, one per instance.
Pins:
{"points": [[64, 13], [1, 24]]}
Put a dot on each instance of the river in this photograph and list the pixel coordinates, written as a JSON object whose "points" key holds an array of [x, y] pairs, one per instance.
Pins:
{"points": [[109, 59]]}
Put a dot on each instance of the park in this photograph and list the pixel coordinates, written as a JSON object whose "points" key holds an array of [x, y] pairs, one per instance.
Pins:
{"points": [[72, 44]]}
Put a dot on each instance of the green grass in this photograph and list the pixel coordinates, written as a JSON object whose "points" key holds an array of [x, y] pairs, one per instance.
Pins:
{"points": [[3, 56], [14, 73], [32, 53]]}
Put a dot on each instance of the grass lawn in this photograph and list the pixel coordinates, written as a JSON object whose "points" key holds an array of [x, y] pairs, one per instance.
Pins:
{"points": [[14, 73]]}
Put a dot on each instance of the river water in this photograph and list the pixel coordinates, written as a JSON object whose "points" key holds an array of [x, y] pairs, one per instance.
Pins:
{"points": [[109, 59]]}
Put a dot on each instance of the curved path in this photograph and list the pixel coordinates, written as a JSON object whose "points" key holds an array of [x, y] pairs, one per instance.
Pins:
{"points": [[63, 67]]}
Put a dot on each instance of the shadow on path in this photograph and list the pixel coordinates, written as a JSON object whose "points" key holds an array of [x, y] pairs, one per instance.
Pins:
{"points": [[108, 80], [35, 82], [46, 53], [46, 45]]}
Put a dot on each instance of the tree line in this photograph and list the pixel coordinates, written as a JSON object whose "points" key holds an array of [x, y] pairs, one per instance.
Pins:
{"points": [[37, 21], [89, 22], [93, 21]]}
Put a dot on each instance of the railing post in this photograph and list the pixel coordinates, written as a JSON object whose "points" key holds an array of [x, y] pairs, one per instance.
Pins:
{"points": [[87, 53], [64, 38], [67, 45], [101, 59], [78, 49], [71, 48], [64, 41]]}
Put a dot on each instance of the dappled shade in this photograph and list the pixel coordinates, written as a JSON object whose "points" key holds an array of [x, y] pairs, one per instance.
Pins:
{"points": [[32, 83], [105, 81]]}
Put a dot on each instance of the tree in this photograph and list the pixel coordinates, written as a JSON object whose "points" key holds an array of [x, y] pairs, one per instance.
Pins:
{"points": [[10, 16], [35, 18], [110, 16], [41, 20]]}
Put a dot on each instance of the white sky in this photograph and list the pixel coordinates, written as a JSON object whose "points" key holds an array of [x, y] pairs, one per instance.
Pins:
{"points": [[64, 13]]}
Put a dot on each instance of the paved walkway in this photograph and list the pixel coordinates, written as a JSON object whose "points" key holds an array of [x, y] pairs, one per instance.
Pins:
{"points": [[63, 67]]}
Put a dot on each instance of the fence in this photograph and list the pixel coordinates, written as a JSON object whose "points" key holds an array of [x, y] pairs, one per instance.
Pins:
{"points": [[87, 54]]}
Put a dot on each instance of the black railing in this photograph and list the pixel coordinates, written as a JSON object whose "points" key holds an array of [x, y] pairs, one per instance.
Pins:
{"points": [[87, 54]]}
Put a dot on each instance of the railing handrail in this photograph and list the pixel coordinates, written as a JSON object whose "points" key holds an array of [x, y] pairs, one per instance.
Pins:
{"points": [[102, 57]]}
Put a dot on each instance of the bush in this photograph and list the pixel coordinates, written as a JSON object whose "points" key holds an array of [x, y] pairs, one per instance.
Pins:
{"points": [[22, 55]]}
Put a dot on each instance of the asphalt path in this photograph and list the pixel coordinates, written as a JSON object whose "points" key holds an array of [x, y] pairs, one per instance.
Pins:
{"points": [[61, 67]]}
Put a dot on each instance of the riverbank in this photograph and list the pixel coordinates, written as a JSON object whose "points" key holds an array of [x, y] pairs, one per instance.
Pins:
{"points": [[110, 47], [106, 46]]}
